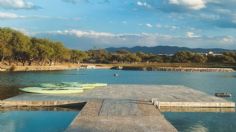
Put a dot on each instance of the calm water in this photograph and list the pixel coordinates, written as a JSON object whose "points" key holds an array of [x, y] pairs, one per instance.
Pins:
{"points": [[207, 82], [35, 121]]}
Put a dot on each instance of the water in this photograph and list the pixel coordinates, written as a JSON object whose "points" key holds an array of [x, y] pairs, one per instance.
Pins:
{"points": [[202, 122], [35, 121], [206, 82]]}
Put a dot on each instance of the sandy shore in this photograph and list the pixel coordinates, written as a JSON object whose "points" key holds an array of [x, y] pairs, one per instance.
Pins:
{"points": [[50, 68]]}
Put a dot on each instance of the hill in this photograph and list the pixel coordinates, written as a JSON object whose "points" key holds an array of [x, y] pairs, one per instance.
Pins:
{"points": [[166, 49]]}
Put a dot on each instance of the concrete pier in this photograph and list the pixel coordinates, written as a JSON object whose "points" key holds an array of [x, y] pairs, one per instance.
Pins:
{"points": [[120, 116], [124, 108]]}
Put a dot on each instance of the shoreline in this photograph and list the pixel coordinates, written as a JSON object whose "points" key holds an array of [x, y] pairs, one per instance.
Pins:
{"points": [[134, 67], [180, 69], [60, 67]]}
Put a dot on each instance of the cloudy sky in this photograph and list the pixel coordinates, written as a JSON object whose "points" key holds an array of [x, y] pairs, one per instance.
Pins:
{"points": [[85, 24]]}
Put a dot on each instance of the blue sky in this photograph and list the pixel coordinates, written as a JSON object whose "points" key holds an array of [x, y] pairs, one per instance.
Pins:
{"points": [[84, 24]]}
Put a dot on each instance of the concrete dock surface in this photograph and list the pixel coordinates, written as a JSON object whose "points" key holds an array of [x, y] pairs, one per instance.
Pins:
{"points": [[165, 93], [120, 116]]}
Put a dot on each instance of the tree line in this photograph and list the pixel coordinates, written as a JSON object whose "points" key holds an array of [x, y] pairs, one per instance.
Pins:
{"points": [[17, 48]]}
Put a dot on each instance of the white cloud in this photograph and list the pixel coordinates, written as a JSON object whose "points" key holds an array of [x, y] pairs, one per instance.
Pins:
{"points": [[90, 34], [191, 4], [228, 40], [16, 4], [7, 15], [191, 35], [143, 4], [149, 25], [89, 39]]}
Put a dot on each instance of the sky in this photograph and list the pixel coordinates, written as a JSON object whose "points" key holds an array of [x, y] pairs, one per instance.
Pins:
{"points": [[86, 24]]}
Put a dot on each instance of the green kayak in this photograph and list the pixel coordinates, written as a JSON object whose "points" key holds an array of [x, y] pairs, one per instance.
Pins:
{"points": [[65, 90], [95, 84], [71, 84]]}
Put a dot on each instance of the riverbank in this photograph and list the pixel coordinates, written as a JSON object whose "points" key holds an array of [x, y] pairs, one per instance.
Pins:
{"points": [[142, 67], [176, 67], [37, 68], [60, 67]]}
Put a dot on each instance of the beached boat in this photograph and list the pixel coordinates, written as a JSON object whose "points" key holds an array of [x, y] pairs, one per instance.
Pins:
{"points": [[65, 90], [223, 95]]}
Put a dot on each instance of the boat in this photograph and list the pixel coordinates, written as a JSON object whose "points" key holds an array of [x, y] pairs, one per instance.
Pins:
{"points": [[65, 90], [223, 95]]}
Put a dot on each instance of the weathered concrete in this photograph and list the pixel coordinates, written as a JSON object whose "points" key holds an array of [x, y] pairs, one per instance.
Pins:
{"points": [[166, 95], [194, 109], [120, 116], [198, 104], [160, 104]]}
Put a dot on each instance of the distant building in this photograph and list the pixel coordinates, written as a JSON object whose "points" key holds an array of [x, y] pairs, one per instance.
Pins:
{"points": [[212, 53]]}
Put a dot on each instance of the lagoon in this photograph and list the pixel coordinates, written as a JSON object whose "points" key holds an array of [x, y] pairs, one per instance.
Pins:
{"points": [[207, 82]]}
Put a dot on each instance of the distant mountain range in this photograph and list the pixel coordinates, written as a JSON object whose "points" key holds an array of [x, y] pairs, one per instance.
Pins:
{"points": [[167, 49]]}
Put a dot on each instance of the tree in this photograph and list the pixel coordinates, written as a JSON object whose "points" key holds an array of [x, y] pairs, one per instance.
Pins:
{"points": [[197, 58], [98, 56], [77, 56], [5, 52], [155, 58], [132, 58], [43, 52], [5, 38], [59, 52], [20, 46], [182, 57]]}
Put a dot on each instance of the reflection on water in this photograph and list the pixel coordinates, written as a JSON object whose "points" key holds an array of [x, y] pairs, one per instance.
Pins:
{"points": [[35, 121], [8, 91], [202, 122], [197, 127]]}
